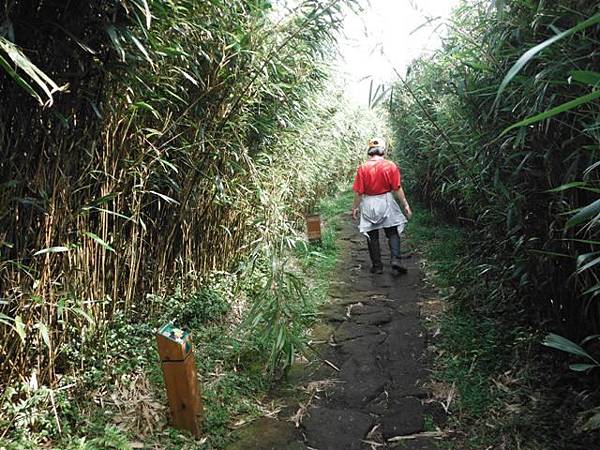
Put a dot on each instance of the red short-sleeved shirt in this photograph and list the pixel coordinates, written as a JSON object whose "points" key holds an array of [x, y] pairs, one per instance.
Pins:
{"points": [[377, 177]]}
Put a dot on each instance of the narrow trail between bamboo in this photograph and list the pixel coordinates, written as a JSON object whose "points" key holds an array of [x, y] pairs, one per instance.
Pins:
{"points": [[366, 389]]}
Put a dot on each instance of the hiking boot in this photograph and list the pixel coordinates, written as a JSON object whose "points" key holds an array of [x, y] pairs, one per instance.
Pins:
{"points": [[377, 269], [400, 270], [397, 266]]}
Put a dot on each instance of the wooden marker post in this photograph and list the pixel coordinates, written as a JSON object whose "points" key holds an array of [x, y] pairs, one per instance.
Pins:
{"points": [[179, 372], [313, 227]]}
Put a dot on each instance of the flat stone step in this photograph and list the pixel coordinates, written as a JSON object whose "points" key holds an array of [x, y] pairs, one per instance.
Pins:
{"points": [[336, 428]]}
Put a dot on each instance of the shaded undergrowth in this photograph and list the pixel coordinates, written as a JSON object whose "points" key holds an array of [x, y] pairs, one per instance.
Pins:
{"points": [[502, 388], [120, 402]]}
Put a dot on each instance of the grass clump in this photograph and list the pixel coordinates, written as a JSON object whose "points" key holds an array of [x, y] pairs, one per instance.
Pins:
{"points": [[469, 350]]}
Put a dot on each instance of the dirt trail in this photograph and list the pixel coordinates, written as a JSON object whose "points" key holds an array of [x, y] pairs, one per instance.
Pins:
{"points": [[371, 331]]}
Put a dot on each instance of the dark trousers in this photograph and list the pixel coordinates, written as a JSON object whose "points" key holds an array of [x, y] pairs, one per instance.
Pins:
{"points": [[375, 250]]}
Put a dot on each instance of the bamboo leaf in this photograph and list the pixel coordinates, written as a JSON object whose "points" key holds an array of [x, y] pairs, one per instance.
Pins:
{"points": [[20, 328], [529, 54], [58, 249], [581, 259], [554, 111], [567, 186], [8, 321], [588, 212], [76, 39], [188, 76], [589, 265], [586, 77], [107, 211], [582, 367], [589, 169], [563, 344], [593, 337], [19, 80], [549, 253], [116, 41], [164, 197], [146, 10], [142, 49], [594, 290], [44, 82], [43, 330], [146, 106], [593, 423], [99, 240]]}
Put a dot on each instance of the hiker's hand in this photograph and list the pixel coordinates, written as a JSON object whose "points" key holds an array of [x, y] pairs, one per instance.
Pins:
{"points": [[355, 213], [408, 212]]}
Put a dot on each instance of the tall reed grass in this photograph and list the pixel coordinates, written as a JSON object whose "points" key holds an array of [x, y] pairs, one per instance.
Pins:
{"points": [[500, 132], [183, 138]]}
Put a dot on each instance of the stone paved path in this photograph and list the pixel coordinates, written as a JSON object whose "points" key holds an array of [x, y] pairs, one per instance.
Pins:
{"points": [[372, 333]]}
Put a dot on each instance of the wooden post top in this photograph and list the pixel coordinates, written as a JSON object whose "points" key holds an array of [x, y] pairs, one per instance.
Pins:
{"points": [[174, 344]]}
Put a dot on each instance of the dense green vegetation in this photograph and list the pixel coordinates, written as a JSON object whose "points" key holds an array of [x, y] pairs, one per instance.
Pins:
{"points": [[231, 363], [156, 162], [501, 391], [499, 134], [519, 189]]}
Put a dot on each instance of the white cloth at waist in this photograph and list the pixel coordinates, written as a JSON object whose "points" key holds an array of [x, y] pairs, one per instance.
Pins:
{"points": [[380, 211]]}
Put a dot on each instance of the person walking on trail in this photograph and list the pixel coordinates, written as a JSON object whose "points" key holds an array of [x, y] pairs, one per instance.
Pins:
{"points": [[376, 184]]}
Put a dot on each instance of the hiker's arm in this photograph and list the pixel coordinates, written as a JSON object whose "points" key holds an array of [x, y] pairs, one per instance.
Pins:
{"points": [[357, 198], [402, 199]]}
